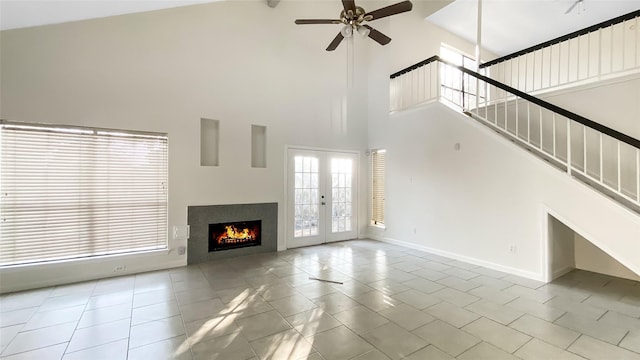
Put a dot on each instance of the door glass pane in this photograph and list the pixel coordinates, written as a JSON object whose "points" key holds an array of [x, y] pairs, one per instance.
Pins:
{"points": [[341, 186], [307, 212]]}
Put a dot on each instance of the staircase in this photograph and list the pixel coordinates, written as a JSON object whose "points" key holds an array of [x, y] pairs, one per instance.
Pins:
{"points": [[593, 153], [606, 160]]}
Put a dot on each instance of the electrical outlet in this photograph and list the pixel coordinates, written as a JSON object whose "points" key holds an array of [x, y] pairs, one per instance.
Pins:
{"points": [[512, 249], [182, 250], [119, 268]]}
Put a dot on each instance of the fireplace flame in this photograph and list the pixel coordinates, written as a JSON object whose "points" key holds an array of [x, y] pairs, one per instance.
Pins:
{"points": [[235, 234]]}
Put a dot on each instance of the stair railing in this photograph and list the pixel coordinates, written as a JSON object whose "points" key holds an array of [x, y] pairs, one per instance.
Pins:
{"points": [[605, 50], [591, 152]]}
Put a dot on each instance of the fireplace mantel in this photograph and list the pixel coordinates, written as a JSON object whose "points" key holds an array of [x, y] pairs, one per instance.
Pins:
{"points": [[199, 218]]}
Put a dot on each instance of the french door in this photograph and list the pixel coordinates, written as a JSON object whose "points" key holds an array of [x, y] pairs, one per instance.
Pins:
{"points": [[322, 197]]}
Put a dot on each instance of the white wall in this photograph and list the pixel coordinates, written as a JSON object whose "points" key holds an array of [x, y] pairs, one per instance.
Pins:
{"points": [[417, 39], [475, 203], [589, 257], [239, 62], [615, 103], [561, 248]]}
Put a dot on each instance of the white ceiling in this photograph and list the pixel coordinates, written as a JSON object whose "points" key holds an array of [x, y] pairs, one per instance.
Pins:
{"points": [[512, 25], [16, 14], [507, 25]]}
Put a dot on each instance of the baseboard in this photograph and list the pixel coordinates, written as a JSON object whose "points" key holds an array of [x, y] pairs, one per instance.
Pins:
{"points": [[464, 258], [77, 276]]}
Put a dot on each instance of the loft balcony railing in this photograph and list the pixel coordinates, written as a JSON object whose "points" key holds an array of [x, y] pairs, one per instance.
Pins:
{"points": [[607, 50], [591, 152]]}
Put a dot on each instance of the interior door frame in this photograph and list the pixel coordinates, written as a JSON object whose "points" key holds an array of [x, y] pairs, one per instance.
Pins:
{"points": [[357, 182]]}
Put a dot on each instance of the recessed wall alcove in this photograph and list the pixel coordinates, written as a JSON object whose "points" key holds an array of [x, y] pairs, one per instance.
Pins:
{"points": [[200, 217]]}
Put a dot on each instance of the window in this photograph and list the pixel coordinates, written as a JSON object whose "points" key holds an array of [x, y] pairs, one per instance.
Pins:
{"points": [[377, 200], [457, 87], [72, 192]]}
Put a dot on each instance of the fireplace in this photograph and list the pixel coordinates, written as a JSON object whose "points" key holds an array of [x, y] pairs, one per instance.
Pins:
{"points": [[203, 218], [233, 235]]}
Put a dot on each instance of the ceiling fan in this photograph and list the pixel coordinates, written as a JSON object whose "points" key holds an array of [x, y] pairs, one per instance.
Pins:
{"points": [[576, 3], [354, 17]]}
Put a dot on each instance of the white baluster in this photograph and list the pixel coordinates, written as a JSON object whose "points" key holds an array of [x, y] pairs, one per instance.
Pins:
{"points": [[638, 174], [517, 118], [526, 69], [619, 168], [635, 42], [578, 60], [569, 146], [568, 60], [599, 52], [533, 72], [588, 53], [611, 51], [554, 134], [540, 123], [584, 148], [559, 62], [438, 77], [601, 161], [528, 123], [624, 44], [506, 114]]}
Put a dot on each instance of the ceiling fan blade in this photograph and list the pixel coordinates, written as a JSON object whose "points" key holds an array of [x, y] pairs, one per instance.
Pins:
{"points": [[336, 41], [390, 10], [317, 21], [349, 5], [376, 35]]}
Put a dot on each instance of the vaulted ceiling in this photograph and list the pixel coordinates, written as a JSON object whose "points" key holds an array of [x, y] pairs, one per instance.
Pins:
{"points": [[512, 25], [26, 13], [507, 25]]}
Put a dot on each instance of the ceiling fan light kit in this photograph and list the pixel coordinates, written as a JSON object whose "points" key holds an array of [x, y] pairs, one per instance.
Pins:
{"points": [[354, 18], [363, 31], [346, 31]]}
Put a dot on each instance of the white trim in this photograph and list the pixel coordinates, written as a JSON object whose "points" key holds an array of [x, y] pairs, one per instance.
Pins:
{"points": [[471, 260], [588, 83], [415, 107], [313, 148], [545, 245]]}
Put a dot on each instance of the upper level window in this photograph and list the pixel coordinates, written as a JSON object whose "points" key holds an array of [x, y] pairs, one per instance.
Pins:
{"points": [[72, 192], [457, 87]]}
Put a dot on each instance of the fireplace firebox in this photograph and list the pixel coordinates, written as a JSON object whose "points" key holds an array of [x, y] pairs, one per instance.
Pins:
{"points": [[233, 235]]}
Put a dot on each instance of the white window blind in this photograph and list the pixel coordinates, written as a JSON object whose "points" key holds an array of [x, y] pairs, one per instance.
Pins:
{"points": [[70, 192], [377, 201]]}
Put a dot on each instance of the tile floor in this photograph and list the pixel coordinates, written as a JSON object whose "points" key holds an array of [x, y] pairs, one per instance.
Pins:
{"points": [[394, 303]]}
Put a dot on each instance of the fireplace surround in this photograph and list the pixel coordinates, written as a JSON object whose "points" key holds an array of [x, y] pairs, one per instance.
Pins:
{"points": [[201, 218]]}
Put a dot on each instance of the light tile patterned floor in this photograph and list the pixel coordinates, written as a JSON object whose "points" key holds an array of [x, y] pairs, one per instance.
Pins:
{"points": [[395, 303]]}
